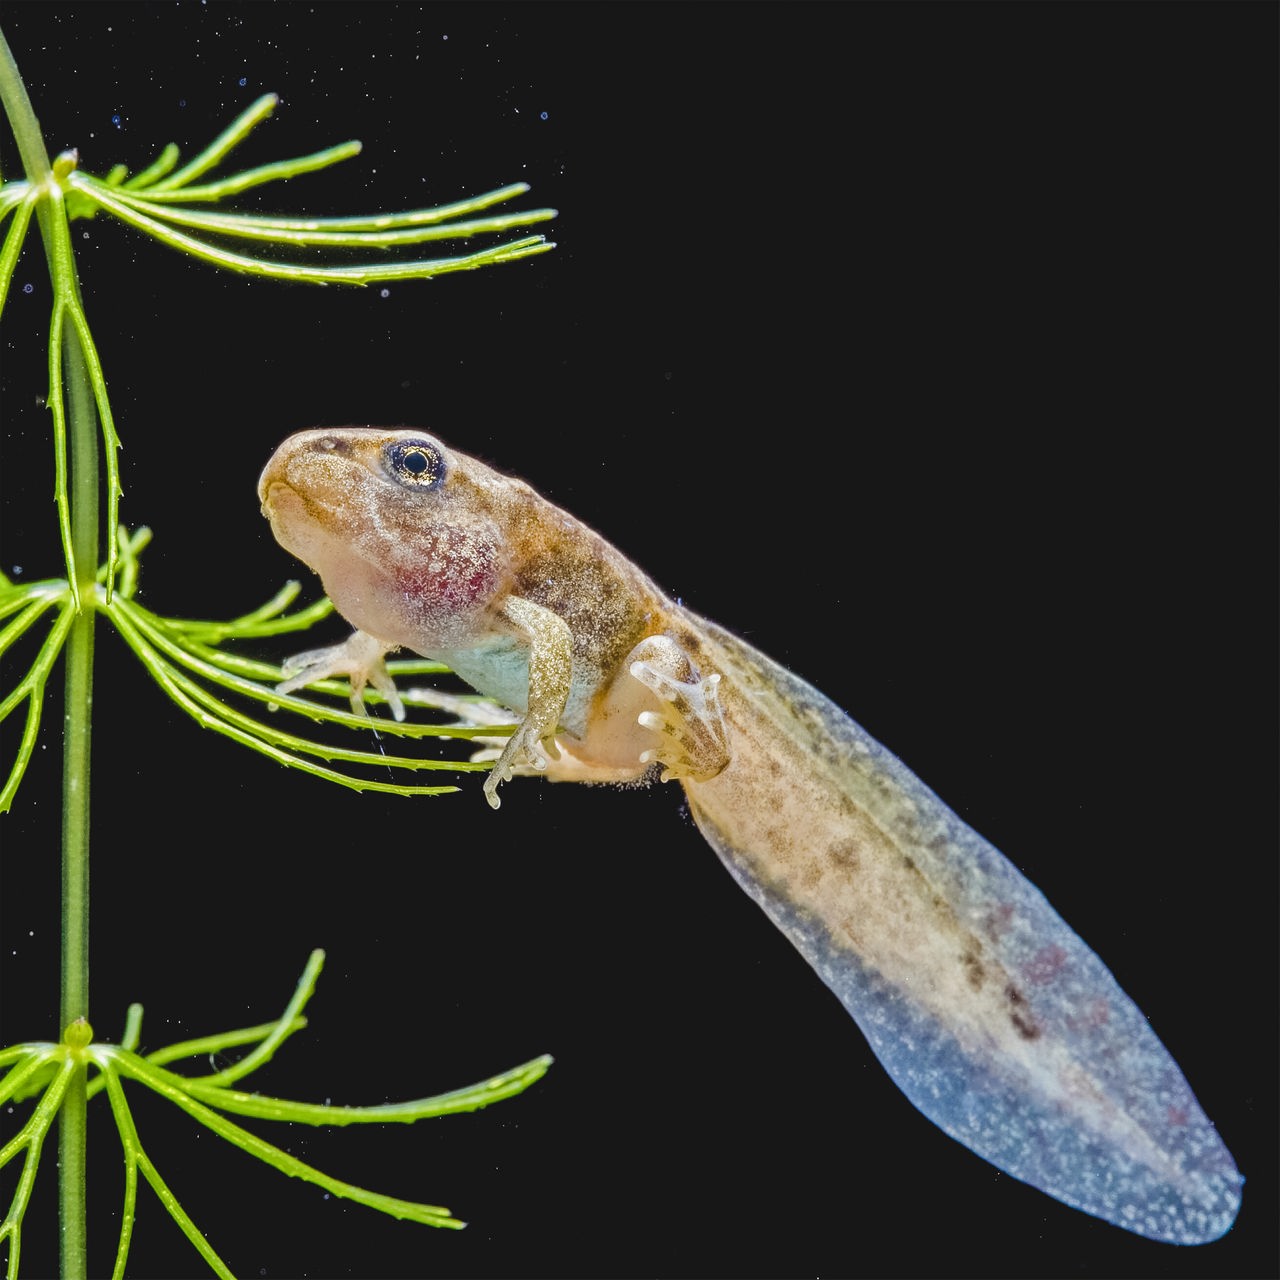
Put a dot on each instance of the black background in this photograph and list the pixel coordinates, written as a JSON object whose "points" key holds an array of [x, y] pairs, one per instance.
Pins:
{"points": [[932, 349]]}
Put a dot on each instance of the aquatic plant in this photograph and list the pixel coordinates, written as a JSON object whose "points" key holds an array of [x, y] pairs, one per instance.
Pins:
{"points": [[50, 623]]}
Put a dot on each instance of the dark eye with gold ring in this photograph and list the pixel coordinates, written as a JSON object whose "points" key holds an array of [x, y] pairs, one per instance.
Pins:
{"points": [[416, 464]]}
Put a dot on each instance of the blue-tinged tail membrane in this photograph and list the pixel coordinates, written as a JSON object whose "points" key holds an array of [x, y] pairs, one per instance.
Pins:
{"points": [[1061, 1083]]}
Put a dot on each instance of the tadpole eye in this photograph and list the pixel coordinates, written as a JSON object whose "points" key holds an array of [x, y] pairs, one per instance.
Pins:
{"points": [[417, 464]]}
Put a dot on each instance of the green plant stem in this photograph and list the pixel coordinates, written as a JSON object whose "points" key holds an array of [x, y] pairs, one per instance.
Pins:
{"points": [[77, 741], [22, 117], [82, 419], [79, 687]]}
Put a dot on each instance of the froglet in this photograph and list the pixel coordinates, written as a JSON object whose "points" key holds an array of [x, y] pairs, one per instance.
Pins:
{"points": [[991, 1015]]}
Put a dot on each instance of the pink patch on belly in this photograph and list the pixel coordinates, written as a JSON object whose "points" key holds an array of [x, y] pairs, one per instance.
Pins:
{"points": [[444, 580]]}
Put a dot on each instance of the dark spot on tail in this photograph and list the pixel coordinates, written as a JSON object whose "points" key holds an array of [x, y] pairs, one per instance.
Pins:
{"points": [[973, 970], [1018, 1014]]}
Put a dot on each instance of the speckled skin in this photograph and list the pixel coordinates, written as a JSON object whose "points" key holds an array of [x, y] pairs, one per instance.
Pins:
{"points": [[992, 1015]]}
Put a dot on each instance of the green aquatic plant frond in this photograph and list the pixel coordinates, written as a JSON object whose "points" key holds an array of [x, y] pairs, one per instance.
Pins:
{"points": [[46, 1071], [188, 660], [373, 231], [156, 223], [153, 202]]}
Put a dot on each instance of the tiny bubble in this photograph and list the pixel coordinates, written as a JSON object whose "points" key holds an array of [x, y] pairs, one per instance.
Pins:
{"points": [[28, 288], [115, 120], [244, 80], [542, 115], [84, 235], [182, 102], [385, 293]]}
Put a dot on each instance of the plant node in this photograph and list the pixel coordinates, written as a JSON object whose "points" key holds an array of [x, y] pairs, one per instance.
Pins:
{"points": [[45, 1071]]}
